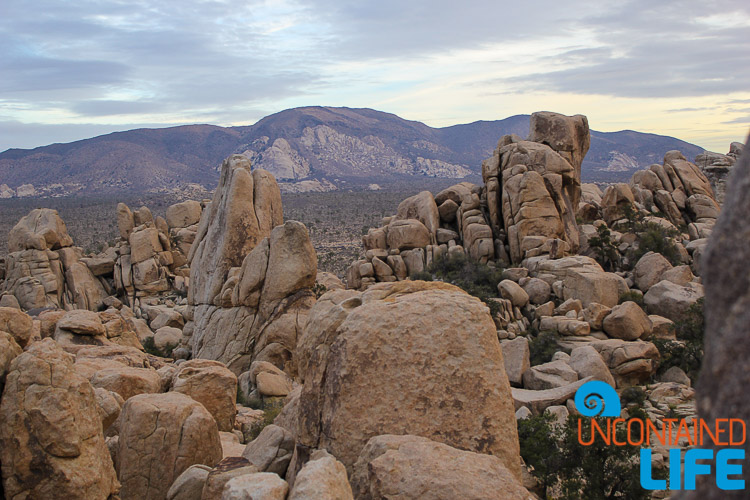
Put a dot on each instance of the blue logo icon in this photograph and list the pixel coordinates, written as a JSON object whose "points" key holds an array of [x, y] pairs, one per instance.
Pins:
{"points": [[597, 399]]}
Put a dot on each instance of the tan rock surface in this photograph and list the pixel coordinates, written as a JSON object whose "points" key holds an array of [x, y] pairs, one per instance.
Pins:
{"points": [[51, 441], [428, 344], [161, 435]]}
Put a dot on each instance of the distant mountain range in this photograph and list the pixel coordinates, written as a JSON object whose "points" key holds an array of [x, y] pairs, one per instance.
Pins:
{"points": [[307, 149]]}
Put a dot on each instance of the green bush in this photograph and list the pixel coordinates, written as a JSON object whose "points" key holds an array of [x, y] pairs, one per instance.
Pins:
{"points": [[593, 472], [632, 296], [150, 347], [542, 346], [271, 408], [605, 251], [651, 237], [687, 351], [475, 278]]}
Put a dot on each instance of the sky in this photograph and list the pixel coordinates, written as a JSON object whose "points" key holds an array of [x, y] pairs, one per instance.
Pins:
{"points": [[71, 70]]}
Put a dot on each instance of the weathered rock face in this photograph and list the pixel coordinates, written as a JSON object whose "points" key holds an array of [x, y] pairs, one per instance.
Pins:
{"points": [[211, 384], [251, 274], [244, 210], [582, 278], [51, 441], [42, 229], [432, 346], [679, 190], [322, 478], [44, 270], [161, 435], [721, 388], [717, 168], [533, 187], [415, 467]]}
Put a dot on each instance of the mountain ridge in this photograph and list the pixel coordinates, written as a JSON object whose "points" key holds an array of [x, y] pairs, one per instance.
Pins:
{"points": [[309, 148]]}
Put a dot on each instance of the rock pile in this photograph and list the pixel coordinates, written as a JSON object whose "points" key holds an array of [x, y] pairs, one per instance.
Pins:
{"points": [[45, 270]]}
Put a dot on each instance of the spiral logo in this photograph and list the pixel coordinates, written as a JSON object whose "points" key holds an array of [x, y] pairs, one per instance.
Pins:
{"points": [[597, 399]]}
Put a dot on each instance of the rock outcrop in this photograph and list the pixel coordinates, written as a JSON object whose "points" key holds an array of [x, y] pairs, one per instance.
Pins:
{"points": [[51, 441], [424, 356], [43, 269], [251, 274], [161, 435], [414, 467], [726, 365]]}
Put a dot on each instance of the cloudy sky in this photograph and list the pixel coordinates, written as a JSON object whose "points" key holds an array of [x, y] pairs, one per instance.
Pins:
{"points": [[74, 69]]}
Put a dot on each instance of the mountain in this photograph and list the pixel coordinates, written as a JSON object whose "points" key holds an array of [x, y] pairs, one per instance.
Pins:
{"points": [[311, 148]]}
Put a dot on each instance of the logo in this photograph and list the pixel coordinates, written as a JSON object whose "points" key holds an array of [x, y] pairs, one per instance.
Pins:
{"points": [[599, 399]]}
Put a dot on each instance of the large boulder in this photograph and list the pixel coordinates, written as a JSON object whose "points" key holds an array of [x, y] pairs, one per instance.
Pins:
{"points": [[42, 229], [649, 269], [428, 344], [407, 466], [51, 441], [721, 389], [161, 435], [245, 208], [212, 385], [421, 207], [671, 300], [9, 349], [322, 478], [627, 321], [17, 323]]}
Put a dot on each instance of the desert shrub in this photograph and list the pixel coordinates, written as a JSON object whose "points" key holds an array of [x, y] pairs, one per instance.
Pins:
{"points": [[542, 346], [271, 408], [421, 275], [591, 472], [319, 289], [632, 296], [605, 251], [150, 347], [475, 278], [687, 351], [633, 395], [651, 237]]}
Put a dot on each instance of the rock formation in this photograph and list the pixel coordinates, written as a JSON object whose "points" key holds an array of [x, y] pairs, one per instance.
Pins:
{"points": [[43, 269], [411, 357], [51, 442], [726, 365], [717, 167], [251, 274]]}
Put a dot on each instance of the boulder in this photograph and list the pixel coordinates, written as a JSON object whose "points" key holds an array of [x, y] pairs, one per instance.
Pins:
{"points": [[17, 323], [184, 214], [512, 291], [412, 337], [721, 389], [9, 349], [549, 376], [407, 234], [41, 229], [127, 381], [516, 357], [408, 466], [51, 441], [258, 486], [649, 269], [189, 485], [630, 363], [212, 385], [671, 300], [627, 321], [82, 322], [272, 450], [322, 478], [538, 401], [421, 207], [538, 290], [161, 435], [587, 362], [226, 470]]}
